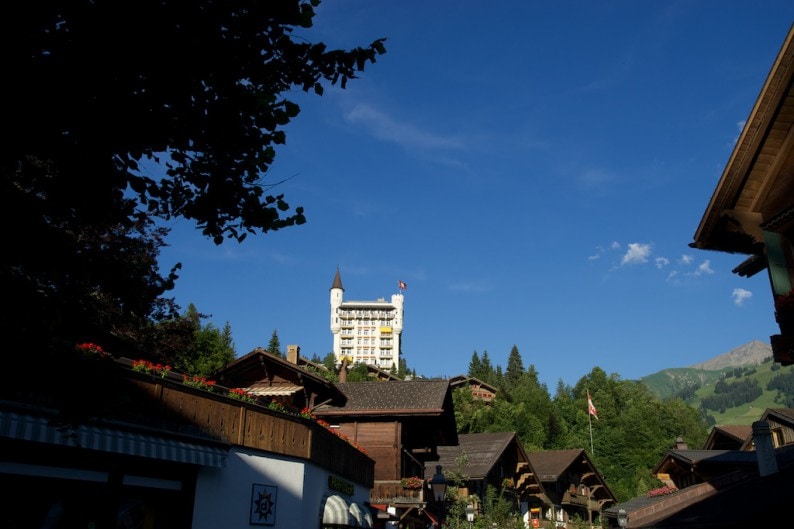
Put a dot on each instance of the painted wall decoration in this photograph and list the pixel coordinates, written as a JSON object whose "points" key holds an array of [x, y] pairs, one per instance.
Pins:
{"points": [[263, 505]]}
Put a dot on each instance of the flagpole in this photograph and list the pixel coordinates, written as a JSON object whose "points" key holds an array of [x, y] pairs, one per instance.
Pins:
{"points": [[590, 420]]}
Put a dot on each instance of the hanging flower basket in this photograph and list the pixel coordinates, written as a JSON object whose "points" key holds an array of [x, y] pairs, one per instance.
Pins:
{"points": [[412, 483]]}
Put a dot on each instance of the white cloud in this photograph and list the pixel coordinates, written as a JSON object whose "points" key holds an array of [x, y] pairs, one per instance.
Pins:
{"points": [[661, 262], [599, 251], [389, 129], [739, 295], [637, 253], [687, 259], [615, 245], [704, 268]]}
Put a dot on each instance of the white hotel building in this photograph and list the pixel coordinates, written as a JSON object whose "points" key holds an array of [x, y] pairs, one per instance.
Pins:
{"points": [[366, 332]]}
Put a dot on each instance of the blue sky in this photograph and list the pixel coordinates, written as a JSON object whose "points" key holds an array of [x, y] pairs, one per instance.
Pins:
{"points": [[533, 171]]}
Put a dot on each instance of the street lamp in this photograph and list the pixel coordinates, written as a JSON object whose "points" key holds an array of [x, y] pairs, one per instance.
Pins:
{"points": [[438, 484], [623, 518], [470, 514]]}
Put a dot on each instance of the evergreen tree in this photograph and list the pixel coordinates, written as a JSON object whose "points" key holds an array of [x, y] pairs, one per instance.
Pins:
{"points": [[487, 373], [475, 366], [515, 368], [274, 346]]}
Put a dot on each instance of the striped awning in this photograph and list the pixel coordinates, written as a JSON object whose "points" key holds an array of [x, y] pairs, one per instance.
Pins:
{"points": [[362, 515], [107, 439], [336, 512], [265, 390]]}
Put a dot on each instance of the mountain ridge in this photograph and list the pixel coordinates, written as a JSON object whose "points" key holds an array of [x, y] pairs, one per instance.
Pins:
{"points": [[753, 352], [677, 380]]}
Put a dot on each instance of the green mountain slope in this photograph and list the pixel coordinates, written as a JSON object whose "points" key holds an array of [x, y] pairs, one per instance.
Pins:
{"points": [[713, 383]]}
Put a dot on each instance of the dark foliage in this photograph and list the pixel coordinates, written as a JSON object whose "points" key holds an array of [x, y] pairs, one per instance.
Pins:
{"points": [[98, 87], [729, 395]]}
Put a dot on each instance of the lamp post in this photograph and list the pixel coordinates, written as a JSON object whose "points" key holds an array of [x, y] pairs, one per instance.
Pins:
{"points": [[438, 484], [623, 518], [470, 514]]}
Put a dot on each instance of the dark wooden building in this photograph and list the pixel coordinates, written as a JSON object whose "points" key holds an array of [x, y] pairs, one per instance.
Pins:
{"points": [[400, 425]]}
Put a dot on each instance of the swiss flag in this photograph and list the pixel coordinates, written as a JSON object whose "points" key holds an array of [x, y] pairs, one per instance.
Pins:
{"points": [[590, 408]]}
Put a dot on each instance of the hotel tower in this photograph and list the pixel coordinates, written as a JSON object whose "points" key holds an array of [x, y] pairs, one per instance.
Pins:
{"points": [[366, 332]]}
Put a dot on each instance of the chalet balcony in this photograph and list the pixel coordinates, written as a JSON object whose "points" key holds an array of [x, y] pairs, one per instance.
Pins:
{"points": [[581, 501], [164, 403], [392, 491]]}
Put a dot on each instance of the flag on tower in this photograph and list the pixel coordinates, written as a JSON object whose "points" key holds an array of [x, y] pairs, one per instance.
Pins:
{"points": [[401, 285], [590, 408]]}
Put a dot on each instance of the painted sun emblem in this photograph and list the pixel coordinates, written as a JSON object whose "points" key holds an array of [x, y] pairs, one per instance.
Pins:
{"points": [[263, 505]]}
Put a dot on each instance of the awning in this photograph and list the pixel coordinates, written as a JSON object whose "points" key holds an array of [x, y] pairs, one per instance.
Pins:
{"points": [[266, 390], [362, 515], [336, 511], [106, 439]]}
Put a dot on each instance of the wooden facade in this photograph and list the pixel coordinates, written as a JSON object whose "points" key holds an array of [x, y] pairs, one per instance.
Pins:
{"points": [[165, 404], [400, 424], [751, 211], [571, 487]]}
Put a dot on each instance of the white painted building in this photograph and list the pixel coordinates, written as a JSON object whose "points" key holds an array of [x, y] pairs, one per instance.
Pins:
{"points": [[257, 489], [366, 332]]}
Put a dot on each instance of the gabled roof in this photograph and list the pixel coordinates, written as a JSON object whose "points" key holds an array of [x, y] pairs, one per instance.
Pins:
{"points": [[426, 404], [776, 417], [696, 460], [781, 415], [736, 499], [463, 380], [755, 190], [258, 370], [551, 464], [727, 437], [406, 397], [483, 451]]}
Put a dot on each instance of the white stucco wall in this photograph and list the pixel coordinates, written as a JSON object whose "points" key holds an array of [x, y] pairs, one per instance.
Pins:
{"points": [[224, 495]]}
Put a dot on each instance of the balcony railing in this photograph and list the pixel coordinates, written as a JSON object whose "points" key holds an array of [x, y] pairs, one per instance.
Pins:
{"points": [[579, 500], [390, 491], [166, 404]]}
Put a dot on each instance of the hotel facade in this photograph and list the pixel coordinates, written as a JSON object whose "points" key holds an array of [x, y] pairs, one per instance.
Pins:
{"points": [[366, 332]]}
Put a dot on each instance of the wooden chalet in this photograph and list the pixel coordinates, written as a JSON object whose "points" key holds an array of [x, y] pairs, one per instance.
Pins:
{"points": [[275, 379], [400, 425], [571, 487], [751, 211], [726, 488], [97, 443], [727, 437], [373, 372], [495, 459], [479, 389], [781, 425]]}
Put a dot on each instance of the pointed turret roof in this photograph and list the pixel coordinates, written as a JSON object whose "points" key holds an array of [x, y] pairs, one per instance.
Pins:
{"points": [[337, 281]]}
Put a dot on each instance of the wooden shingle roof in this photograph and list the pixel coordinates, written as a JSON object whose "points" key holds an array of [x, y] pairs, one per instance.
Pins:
{"points": [[729, 436], [551, 464], [407, 397], [482, 450]]}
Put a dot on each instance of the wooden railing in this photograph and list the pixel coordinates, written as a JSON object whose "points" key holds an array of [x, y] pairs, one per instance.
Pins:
{"points": [[114, 391], [579, 500], [393, 492]]}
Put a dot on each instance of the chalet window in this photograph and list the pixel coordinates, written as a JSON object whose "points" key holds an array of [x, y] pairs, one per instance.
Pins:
{"points": [[777, 437]]}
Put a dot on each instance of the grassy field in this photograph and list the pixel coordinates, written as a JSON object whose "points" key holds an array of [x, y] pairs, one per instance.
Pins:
{"points": [[666, 383]]}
